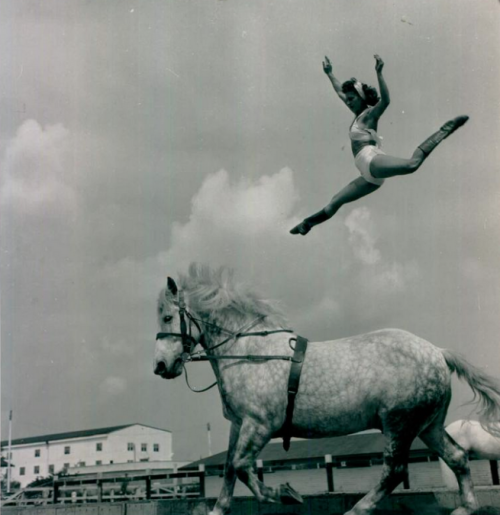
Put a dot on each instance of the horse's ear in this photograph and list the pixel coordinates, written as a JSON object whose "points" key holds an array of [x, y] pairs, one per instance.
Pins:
{"points": [[172, 287]]}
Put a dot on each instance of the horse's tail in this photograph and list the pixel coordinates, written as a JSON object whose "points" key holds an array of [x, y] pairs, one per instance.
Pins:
{"points": [[483, 385]]}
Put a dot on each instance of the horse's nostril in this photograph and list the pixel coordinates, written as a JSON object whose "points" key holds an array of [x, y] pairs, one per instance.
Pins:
{"points": [[160, 368]]}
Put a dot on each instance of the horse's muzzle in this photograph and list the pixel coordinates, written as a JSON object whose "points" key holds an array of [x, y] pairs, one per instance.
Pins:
{"points": [[162, 370]]}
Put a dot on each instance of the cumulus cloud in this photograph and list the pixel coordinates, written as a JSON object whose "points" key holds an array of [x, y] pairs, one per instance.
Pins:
{"points": [[379, 276], [240, 224], [243, 208], [362, 236], [246, 206], [391, 278], [35, 170]]}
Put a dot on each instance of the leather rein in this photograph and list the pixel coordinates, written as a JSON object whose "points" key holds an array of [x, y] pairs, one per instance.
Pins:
{"points": [[189, 342]]}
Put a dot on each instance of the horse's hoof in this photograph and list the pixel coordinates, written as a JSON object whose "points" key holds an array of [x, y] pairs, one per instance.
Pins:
{"points": [[289, 496]]}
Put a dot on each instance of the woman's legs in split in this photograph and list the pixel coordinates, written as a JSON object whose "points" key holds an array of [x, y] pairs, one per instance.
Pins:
{"points": [[383, 166], [353, 191]]}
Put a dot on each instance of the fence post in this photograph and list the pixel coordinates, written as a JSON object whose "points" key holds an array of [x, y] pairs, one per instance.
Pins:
{"points": [[148, 488], [176, 481], [329, 472], [99, 490], [201, 468], [55, 493], [260, 470], [406, 480], [494, 472]]}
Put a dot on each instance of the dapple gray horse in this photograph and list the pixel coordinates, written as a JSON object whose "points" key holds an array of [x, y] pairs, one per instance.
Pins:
{"points": [[388, 379]]}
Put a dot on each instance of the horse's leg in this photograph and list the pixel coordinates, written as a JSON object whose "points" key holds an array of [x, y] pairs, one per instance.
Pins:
{"points": [[252, 439], [456, 458], [394, 471], [223, 503]]}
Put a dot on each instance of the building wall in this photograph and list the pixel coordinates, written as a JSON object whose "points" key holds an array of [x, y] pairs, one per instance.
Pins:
{"points": [[422, 476], [83, 452], [138, 436]]}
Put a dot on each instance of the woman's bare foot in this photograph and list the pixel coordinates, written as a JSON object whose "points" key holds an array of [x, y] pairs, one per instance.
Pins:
{"points": [[451, 126], [302, 228], [448, 128]]}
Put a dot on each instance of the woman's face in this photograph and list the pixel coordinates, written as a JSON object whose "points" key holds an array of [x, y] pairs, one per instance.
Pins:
{"points": [[355, 102]]}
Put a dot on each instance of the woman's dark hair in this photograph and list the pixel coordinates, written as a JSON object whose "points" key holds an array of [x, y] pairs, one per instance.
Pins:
{"points": [[369, 91]]}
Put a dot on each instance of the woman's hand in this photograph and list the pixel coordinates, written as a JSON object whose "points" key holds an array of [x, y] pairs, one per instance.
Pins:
{"points": [[379, 64], [327, 66]]}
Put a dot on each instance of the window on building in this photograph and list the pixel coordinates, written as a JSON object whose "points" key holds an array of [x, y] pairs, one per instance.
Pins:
{"points": [[98, 462], [36, 469], [82, 464], [130, 446], [130, 461], [67, 449], [66, 466], [111, 461], [51, 469], [22, 471], [144, 459], [98, 446], [144, 447], [156, 447], [37, 453]]}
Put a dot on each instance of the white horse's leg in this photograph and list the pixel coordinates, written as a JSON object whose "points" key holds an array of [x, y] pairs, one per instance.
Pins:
{"points": [[394, 471], [456, 458], [223, 504], [252, 439]]}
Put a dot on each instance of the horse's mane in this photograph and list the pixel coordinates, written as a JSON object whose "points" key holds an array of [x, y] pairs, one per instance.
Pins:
{"points": [[215, 293]]}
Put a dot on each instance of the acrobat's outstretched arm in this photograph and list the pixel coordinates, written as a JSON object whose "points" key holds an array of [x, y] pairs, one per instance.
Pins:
{"points": [[337, 86], [385, 98]]}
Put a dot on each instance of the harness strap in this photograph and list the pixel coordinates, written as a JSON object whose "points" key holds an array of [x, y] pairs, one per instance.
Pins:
{"points": [[246, 357], [293, 387], [264, 333]]}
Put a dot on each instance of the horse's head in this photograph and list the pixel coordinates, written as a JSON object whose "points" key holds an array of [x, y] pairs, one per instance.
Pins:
{"points": [[176, 340]]}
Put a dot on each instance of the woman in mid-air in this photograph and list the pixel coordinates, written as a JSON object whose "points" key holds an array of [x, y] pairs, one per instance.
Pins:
{"points": [[373, 164]]}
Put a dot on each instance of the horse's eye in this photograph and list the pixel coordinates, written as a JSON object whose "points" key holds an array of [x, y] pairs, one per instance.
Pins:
{"points": [[167, 319]]}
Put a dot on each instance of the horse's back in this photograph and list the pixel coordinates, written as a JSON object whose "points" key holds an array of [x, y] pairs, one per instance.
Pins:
{"points": [[389, 337], [386, 349]]}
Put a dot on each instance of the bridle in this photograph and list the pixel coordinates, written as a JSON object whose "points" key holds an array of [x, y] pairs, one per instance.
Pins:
{"points": [[189, 342]]}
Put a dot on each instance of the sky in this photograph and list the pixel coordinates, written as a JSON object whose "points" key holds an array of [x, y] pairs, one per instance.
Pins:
{"points": [[139, 136]]}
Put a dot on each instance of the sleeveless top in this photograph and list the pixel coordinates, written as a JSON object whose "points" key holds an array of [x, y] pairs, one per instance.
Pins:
{"points": [[363, 135]]}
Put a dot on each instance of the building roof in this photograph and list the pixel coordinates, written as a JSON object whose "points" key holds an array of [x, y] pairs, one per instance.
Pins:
{"points": [[359, 445], [73, 434]]}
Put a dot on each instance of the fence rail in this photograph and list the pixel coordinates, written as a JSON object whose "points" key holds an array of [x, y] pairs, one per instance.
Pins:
{"points": [[170, 485], [157, 486]]}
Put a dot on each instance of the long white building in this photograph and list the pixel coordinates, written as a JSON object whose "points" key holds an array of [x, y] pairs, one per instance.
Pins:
{"points": [[39, 456]]}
